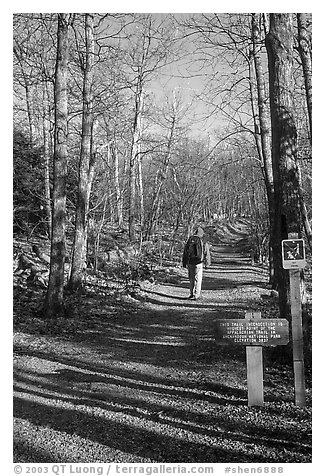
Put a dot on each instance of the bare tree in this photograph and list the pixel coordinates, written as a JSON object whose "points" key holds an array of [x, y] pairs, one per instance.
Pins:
{"points": [[171, 118], [148, 52], [34, 66], [53, 304], [86, 164]]}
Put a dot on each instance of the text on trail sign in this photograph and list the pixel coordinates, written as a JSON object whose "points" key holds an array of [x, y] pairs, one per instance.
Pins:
{"points": [[266, 332], [293, 254]]}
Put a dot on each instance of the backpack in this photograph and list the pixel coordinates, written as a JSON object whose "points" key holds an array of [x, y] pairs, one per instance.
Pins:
{"points": [[195, 250]]}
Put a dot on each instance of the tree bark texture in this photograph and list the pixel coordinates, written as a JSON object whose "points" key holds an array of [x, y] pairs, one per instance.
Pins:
{"points": [[85, 164], [265, 131], [47, 154], [136, 133], [116, 180], [54, 297], [264, 119], [279, 42], [305, 55], [141, 192]]}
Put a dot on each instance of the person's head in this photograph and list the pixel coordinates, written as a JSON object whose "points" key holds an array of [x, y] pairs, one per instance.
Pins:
{"points": [[199, 231]]}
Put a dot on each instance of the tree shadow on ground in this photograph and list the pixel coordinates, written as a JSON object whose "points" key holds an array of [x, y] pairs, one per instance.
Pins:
{"points": [[25, 452], [143, 441], [149, 379], [120, 391]]}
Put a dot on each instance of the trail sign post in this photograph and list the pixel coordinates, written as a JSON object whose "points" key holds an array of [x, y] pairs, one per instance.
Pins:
{"points": [[296, 313], [293, 253], [254, 332], [254, 362]]}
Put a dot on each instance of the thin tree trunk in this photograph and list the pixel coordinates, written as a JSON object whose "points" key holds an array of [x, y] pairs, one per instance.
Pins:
{"points": [[265, 134], [264, 119], [86, 157], [29, 110], [124, 184], [305, 55], [53, 304], [304, 213], [117, 188], [140, 177], [141, 198], [46, 138], [134, 159], [99, 231]]}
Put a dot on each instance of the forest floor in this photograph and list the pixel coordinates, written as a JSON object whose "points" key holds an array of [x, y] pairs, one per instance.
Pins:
{"points": [[141, 378]]}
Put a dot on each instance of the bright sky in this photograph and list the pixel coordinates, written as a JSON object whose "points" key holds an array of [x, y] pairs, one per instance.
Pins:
{"points": [[185, 79]]}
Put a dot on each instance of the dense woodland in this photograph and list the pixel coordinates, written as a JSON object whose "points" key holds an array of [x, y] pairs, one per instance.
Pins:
{"points": [[143, 125]]}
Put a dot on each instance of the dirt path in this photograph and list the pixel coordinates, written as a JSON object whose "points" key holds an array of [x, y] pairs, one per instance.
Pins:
{"points": [[153, 386]]}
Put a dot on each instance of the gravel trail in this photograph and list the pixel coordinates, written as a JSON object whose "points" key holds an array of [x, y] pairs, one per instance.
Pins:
{"points": [[152, 385]]}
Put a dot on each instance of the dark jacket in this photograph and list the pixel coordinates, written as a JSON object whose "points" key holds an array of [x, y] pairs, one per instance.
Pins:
{"points": [[206, 249]]}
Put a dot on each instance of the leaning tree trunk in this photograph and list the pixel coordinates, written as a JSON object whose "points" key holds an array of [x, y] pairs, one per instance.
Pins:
{"points": [[279, 42], [53, 304], [85, 165]]}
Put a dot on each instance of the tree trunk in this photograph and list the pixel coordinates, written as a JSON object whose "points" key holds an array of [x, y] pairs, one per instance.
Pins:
{"points": [[304, 213], [265, 133], [279, 42], [99, 231], [46, 145], [117, 188], [53, 304], [134, 158], [305, 55], [141, 197], [85, 164]]}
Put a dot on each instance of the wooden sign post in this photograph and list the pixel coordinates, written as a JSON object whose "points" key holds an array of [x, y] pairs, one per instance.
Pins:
{"points": [[297, 339], [254, 332], [254, 362], [293, 254], [255, 388]]}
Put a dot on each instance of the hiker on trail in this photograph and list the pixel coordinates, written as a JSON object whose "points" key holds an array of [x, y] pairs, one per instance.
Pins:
{"points": [[196, 254]]}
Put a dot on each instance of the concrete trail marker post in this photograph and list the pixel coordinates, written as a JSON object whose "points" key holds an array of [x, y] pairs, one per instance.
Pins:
{"points": [[254, 332], [293, 259], [254, 362]]}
